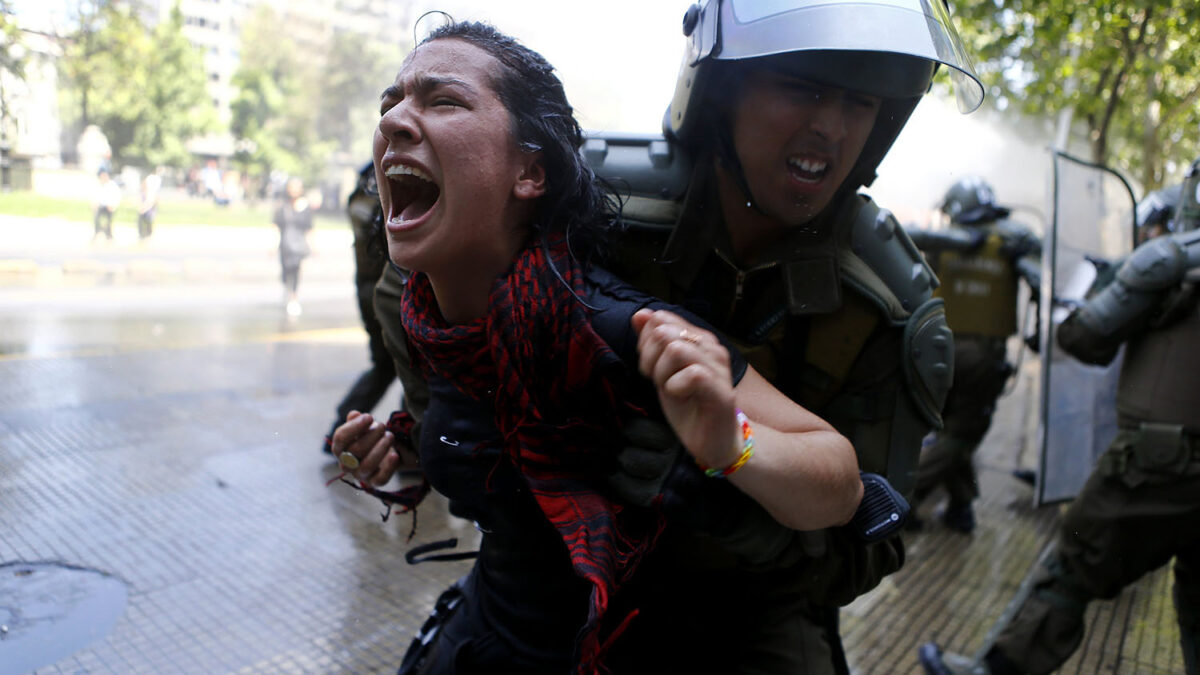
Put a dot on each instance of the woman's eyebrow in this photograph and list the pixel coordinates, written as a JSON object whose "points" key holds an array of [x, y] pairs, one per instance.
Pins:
{"points": [[423, 84]]}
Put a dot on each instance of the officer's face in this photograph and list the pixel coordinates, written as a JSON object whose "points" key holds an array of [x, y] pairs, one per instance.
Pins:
{"points": [[797, 141]]}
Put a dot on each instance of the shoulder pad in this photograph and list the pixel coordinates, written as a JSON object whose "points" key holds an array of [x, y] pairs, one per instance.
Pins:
{"points": [[1157, 264], [639, 165], [928, 359], [650, 213], [883, 263]]}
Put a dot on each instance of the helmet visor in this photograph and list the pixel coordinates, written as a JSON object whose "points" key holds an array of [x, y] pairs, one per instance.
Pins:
{"points": [[917, 28]]}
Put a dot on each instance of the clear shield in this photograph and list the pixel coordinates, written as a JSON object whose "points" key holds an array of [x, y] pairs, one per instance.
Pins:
{"points": [[1093, 225]]}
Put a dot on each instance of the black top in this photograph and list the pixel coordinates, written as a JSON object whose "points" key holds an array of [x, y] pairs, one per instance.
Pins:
{"points": [[528, 593]]}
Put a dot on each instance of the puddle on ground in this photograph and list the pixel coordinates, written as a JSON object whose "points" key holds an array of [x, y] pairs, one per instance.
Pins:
{"points": [[50, 610]]}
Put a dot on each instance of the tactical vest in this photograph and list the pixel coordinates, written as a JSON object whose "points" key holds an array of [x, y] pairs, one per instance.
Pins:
{"points": [[841, 348], [980, 289], [1160, 377]]}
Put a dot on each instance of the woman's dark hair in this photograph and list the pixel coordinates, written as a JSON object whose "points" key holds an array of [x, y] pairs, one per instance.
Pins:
{"points": [[575, 203]]}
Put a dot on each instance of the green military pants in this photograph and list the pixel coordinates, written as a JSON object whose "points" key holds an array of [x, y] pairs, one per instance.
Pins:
{"points": [[1139, 509], [980, 372], [387, 311]]}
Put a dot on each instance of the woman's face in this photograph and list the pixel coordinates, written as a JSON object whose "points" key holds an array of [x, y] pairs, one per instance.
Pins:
{"points": [[456, 190]]}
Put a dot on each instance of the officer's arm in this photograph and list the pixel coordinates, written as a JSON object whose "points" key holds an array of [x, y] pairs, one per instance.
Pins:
{"points": [[1094, 331], [951, 239], [387, 310]]}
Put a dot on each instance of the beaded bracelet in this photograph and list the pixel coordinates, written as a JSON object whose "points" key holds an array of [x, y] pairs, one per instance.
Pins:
{"points": [[747, 450]]}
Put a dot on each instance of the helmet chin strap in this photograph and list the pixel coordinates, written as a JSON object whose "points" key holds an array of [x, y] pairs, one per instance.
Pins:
{"points": [[728, 158]]}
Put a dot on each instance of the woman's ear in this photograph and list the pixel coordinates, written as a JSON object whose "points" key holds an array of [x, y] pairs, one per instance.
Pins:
{"points": [[531, 183]]}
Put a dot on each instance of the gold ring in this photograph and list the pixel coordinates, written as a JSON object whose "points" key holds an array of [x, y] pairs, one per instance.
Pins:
{"points": [[689, 337], [348, 461]]}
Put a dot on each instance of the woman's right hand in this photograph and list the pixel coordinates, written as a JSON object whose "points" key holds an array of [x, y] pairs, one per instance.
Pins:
{"points": [[369, 441]]}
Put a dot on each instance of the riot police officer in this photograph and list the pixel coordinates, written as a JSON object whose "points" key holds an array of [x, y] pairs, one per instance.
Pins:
{"points": [[979, 261], [747, 212], [370, 257], [1140, 506]]}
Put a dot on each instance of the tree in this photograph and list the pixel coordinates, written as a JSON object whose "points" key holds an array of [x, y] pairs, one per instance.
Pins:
{"points": [[354, 74], [298, 106], [144, 88], [105, 61], [1127, 68], [176, 104], [274, 114], [12, 64]]}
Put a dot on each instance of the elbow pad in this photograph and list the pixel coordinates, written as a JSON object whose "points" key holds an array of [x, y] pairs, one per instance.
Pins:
{"points": [[1156, 266], [928, 359]]}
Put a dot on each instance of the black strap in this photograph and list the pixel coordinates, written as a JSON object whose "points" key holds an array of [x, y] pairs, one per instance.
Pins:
{"points": [[417, 555]]}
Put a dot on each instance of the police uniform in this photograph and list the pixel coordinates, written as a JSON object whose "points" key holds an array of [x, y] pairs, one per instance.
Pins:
{"points": [[840, 317], [370, 257], [979, 261], [1141, 505], [840, 351]]}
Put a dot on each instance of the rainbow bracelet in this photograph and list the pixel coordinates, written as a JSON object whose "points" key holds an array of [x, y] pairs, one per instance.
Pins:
{"points": [[747, 450]]}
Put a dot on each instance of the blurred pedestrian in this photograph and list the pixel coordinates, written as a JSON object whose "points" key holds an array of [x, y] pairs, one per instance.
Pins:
{"points": [[108, 198], [294, 220], [148, 206]]}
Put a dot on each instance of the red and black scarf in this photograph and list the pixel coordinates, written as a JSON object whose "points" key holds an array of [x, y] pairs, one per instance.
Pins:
{"points": [[558, 393]]}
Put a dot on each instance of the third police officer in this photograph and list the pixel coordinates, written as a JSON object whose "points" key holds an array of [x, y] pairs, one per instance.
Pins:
{"points": [[979, 261]]}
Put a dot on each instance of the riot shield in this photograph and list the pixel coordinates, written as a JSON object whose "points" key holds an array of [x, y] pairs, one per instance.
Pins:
{"points": [[1092, 226]]}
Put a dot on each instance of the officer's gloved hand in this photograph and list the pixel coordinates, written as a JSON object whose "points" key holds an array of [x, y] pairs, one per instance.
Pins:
{"points": [[645, 462], [1175, 304]]}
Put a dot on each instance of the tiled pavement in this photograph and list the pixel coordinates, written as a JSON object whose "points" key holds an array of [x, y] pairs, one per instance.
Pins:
{"points": [[190, 472]]}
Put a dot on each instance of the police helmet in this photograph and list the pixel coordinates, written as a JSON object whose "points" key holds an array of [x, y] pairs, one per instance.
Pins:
{"points": [[885, 48], [362, 206], [971, 201], [1187, 216], [1157, 208]]}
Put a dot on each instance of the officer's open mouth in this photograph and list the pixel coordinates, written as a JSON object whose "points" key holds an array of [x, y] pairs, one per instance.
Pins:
{"points": [[807, 170], [413, 192]]}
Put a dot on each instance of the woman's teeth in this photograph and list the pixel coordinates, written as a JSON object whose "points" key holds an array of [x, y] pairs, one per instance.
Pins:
{"points": [[404, 170]]}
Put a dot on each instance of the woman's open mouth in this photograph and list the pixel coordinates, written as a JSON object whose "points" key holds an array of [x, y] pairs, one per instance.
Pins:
{"points": [[413, 193]]}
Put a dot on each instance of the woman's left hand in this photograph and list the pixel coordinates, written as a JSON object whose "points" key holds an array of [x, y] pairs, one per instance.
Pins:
{"points": [[691, 369]]}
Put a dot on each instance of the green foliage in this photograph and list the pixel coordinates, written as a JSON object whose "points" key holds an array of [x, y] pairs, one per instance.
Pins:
{"points": [[354, 74], [12, 59], [1127, 68], [176, 105], [144, 88], [294, 112], [274, 118], [12, 64]]}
